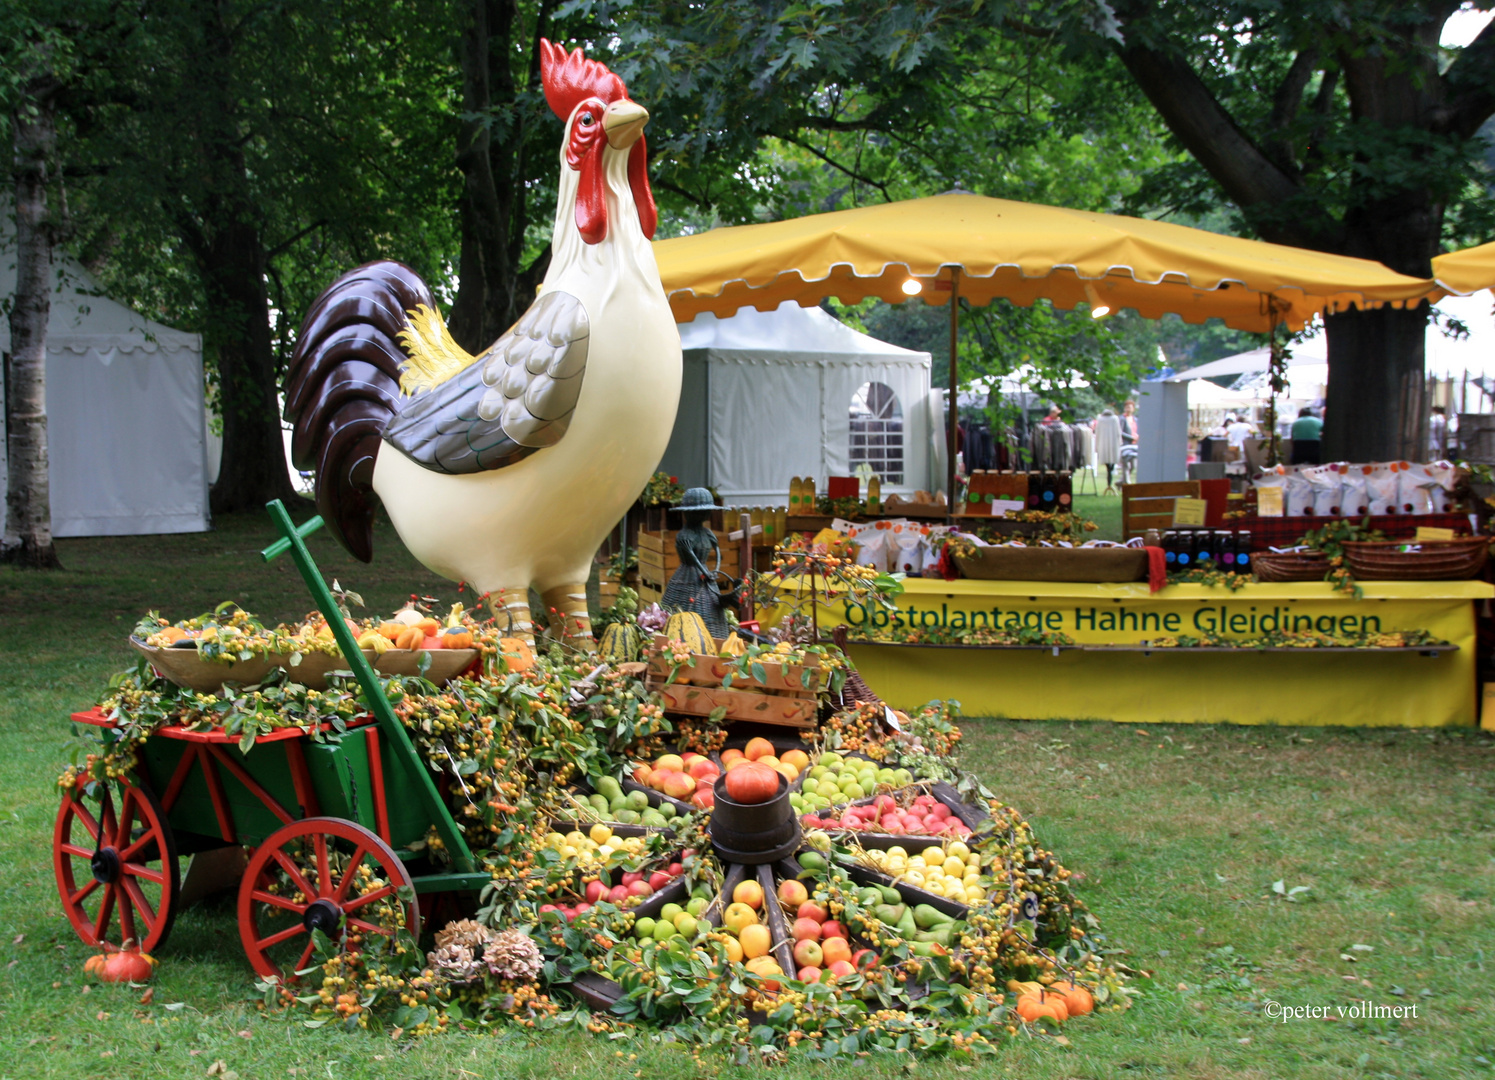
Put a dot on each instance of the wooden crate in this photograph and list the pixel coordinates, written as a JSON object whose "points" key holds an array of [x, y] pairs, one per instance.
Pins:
{"points": [[795, 712], [703, 670], [658, 560], [1150, 506]]}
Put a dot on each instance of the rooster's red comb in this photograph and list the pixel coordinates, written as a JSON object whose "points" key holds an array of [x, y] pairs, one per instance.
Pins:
{"points": [[570, 80]]}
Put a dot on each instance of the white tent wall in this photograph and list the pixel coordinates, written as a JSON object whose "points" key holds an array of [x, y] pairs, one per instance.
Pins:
{"points": [[126, 429], [767, 396]]}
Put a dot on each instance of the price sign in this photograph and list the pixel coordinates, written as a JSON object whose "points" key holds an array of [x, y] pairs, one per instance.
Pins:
{"points": [[1269, 502], [1189, 511]]}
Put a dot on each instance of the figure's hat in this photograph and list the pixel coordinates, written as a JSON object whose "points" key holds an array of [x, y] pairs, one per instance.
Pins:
{"points": [[698, 499]]}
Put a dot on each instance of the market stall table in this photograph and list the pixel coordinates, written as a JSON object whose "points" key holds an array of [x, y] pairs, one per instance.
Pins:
{"points": [[1107, 674]]}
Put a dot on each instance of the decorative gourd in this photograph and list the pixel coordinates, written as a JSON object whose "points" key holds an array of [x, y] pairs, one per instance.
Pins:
{"points": [[408, 615], [1077, 999], [752, 783], [621, 643], [1032, 1006], [689, 627], [456, 637], [733, 646], [392, 629], [410, 637], [126, 965], [430, 626], [516, 654]]}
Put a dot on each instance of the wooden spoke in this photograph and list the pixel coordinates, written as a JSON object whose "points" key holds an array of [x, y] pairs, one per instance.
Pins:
{"points": [[368, 898], [349, 874]]}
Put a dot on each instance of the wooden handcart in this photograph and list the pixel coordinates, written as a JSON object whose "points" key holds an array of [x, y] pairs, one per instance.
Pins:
{"points": [[333, 827]]}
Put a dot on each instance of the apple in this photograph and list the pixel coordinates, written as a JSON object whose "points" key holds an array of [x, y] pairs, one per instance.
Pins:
{"points": [[702, 767], [835, 950], [547, 908], [595, 891], [618, 894], [863, 959], [810, 974], [582, 909], [704, 797], [677, 785], [569, 913], [729, 756], [839, 970], [673, 762], [793, 893], [658, 880], [640, 888], [641, 775], [675, 869], [738, 916], [630, 876], [749, 893], [939, 810], [808, 910], [805, 930], [832, 929], [807, 953], [697, 904]]}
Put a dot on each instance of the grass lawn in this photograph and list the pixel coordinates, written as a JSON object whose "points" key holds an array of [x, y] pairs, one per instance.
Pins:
{"points": [[1179, 833]]}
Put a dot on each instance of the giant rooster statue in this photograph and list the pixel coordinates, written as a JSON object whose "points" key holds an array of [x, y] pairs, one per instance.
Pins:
{"points": [[506, 469]]}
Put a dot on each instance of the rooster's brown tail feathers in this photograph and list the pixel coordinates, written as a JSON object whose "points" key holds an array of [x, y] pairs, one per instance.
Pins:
{"points": [[344, 385]]}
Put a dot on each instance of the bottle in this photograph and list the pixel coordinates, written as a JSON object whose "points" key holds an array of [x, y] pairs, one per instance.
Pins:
{"points": [[1035, 490], [1152, 538], [1170, 549], [1066, 491], [807, 497], [1185, 550], [780, 524], [874, 495], [1225, 541], [796, 486], [1243, 551], [1204, 549]]}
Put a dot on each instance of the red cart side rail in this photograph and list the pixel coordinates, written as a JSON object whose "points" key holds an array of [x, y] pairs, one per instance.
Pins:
{"points": [[99, 718]]}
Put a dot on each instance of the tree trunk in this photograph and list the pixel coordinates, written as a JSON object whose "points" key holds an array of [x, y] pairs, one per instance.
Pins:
{"points": [[1375, 372], [494, 289], [253, 469], [28, 539]]}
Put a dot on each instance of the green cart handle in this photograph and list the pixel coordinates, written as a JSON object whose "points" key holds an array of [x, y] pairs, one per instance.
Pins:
{"points": [[294, 541]]}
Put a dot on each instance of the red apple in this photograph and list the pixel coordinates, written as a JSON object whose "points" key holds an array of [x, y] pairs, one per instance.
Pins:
{"points": [[839, 970], [678, 786], [863, 959], [792, 893], [618, 894], [658, 880], [630, 876], [582, 909], [810, 974], [831, 928], [595, 891], [701, 768], [640, 888], [805, 930], [569, 913], [547, 908], [675, 869], [704, 798], [811, 910], [807, 953]]}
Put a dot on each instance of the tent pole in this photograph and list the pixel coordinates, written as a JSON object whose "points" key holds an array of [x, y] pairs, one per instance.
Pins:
{"points": [[953, 421]]}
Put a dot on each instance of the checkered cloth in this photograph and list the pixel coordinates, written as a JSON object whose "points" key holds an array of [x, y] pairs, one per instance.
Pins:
{"points": [[1288, 532]]}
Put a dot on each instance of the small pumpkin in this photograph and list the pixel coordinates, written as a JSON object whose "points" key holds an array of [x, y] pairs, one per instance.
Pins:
{"points": [[1077, 999], [1032, 1006], [752, 782], [172, 634], [126, 965], [732, 646], [689, 627], [516, 654], [456, 637], [410, 637], [392, 630], [431, 626]]}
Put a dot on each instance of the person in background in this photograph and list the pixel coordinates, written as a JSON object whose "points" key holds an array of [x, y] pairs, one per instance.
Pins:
{"points": [[1307, 430], [1128, 440], [1052, 418], [1237, 431], [1438, 434]]}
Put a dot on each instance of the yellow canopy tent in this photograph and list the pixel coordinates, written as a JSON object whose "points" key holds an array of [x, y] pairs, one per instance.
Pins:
{"points": [[1467, 271], [1020, 251], [981, 248]]}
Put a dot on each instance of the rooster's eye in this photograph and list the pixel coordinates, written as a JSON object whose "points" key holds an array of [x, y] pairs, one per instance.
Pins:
{"points": [[586, 119]]}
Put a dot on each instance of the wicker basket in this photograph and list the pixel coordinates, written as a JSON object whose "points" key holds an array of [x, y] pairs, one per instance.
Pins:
{"points": [[1435, 560], [1290, 566]]}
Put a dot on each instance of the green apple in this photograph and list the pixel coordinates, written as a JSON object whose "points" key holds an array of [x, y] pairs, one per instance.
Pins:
{"points": [[643, 929], [669, 911], [697, 904]]}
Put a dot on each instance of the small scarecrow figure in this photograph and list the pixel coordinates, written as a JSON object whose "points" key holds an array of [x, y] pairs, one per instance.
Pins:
{"points": [[694, 587]]}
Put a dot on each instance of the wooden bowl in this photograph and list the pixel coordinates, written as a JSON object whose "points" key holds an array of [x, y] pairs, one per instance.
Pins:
{"points": [[314, 668], [185, 668], [446, 664]]}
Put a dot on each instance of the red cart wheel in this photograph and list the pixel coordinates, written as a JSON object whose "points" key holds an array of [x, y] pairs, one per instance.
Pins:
{"points": [[116, 865], [322, 874]]}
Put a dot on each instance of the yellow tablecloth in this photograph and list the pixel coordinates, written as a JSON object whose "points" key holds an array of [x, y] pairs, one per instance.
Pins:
{"points": [[1284, 686]]}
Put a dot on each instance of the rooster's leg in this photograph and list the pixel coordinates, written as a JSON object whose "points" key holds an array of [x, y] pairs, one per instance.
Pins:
{"points": [[511, 611], [566, 607]]}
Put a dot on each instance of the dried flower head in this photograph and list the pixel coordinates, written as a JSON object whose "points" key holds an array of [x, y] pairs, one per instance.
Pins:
{"points": [[512, 955], [455, 964]]}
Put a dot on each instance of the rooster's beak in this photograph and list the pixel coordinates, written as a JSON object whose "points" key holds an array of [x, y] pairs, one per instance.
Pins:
{"points": [[623, 123]]}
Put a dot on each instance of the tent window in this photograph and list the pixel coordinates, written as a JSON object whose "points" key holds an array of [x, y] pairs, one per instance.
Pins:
{"points": [[877, 431]]}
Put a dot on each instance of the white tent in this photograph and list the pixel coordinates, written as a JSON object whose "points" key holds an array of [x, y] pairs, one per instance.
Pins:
{"points": [[126, 428], [772, 395]]}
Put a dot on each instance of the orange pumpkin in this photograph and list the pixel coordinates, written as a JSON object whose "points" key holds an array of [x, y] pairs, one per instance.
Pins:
{"points": [[1032, 1006], [1077, 999], [430, 626], [455, 637], [410, 637], [392, 630], [126, 965], [173, 633], [516, 654]]}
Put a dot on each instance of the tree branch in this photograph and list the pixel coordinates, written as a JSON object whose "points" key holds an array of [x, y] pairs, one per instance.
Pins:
{"points": [[881, 188], [283, 245], [695, 200], [1195, 116], [1285, 105]]}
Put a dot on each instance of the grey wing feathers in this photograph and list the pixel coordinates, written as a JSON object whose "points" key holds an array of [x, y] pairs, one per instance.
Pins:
{"points": [[516, 398]]}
